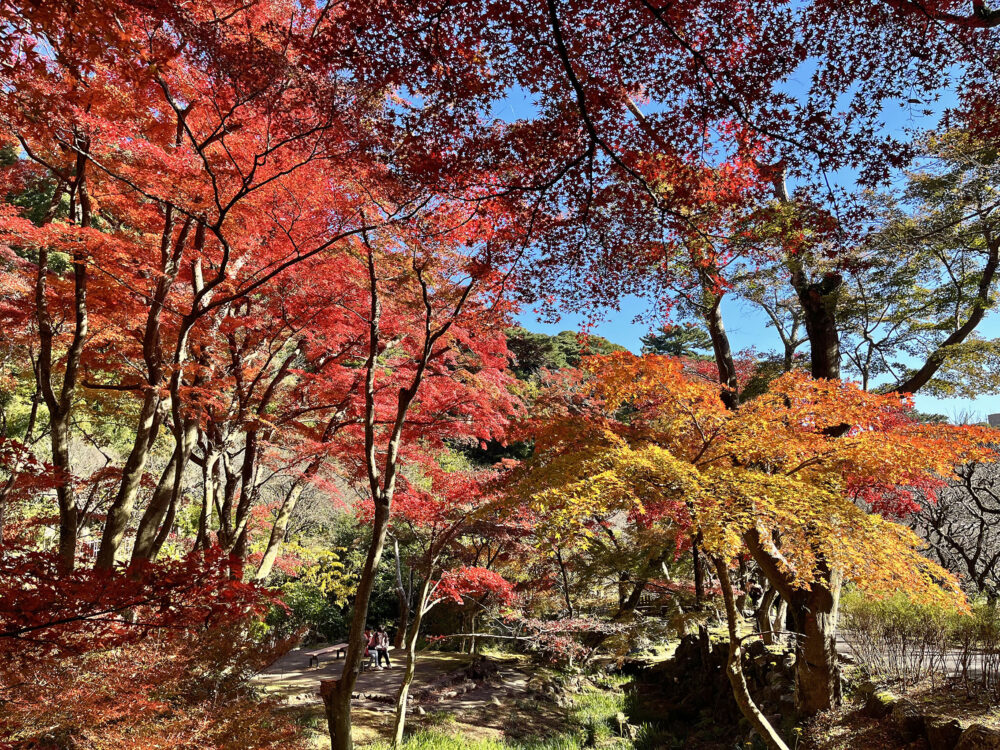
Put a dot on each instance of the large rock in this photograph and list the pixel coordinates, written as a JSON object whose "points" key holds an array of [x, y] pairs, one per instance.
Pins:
{"points": [[879, 704], [942, 733], [908, 719], [978, 737]]}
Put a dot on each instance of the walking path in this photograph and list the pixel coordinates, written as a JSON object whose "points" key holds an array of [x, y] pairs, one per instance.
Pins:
{"points": [[294, 681]]}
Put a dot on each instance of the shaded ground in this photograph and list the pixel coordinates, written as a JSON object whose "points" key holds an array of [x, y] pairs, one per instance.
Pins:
{"points": [[443, 697], [848, 728]]}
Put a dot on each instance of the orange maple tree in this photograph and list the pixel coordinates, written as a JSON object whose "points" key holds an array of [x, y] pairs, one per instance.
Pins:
{"points": [[796, 470]]}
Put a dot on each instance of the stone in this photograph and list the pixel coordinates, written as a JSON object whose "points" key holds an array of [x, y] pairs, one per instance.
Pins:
{"points": [[942, 733], [908, 719], [879, 704], [864, 689], [775, 678], [979, 737], [421, 711], [495, 701]]}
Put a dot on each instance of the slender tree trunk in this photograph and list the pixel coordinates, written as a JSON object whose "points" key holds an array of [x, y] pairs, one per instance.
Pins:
{"points": [[151, 518], [411, 665], [165, 496], [565, 582], [229, 485], [337, 693], [720, 345], [120, 512], [763, 616], [778, 623], [60, 405], [68, 513], [734, 665], [210, 494], [403, 599], [168, 523], [699, 573], [279, 529]]}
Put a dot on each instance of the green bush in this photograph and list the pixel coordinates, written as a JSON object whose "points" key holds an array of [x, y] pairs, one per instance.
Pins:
{"points": [[897, 638], [308, 606]]}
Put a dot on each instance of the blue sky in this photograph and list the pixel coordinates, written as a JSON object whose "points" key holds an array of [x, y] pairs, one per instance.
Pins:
{"points": [[748, 328]]}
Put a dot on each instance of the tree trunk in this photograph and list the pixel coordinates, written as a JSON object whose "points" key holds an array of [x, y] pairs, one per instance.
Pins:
{"points": [[168, 523], [720, 345], [817, 671], [411, 665], [164, 496], [699, 575], [403, 599], [565, 583], [337, 693], [278, 530], [763, 616], [818, 300], [814, 615], [210, 494], [120, 512], [778, 623], [403, 622], [65, 493], [734, 666]]}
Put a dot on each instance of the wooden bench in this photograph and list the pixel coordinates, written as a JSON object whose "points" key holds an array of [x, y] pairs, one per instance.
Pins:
{"points": [[340, 649]]}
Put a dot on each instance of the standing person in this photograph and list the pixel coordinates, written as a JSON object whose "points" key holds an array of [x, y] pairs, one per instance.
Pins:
{"points": [[382, 648], [369, 646]]}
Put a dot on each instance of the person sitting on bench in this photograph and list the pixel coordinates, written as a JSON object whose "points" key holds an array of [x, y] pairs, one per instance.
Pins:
{"points": [[369, 648]]}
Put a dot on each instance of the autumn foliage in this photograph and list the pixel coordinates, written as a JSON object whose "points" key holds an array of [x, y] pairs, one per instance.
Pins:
{"points": [[815, 464], [258, 250]]}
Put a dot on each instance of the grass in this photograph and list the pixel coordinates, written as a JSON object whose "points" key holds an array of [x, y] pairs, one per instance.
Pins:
{"points": [[598, 712]]}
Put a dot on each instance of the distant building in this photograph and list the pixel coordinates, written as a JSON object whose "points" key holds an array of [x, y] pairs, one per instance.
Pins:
{"points": [[994, 420]]}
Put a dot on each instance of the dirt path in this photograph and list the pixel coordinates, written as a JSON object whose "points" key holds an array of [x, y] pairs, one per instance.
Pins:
{"points": [[441, 693]]}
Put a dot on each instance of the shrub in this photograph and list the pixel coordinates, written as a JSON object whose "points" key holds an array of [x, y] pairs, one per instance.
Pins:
{"points": [[307, 605], [899, 639], [896, 637]]}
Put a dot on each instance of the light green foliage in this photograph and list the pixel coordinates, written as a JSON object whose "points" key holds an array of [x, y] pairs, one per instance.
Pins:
{"points": [[329, 576], [316, 599], [597, 712], [904, 640], [307, 607], [925, 275]]}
